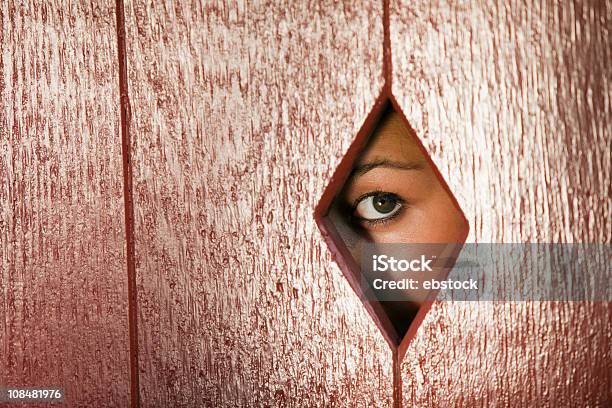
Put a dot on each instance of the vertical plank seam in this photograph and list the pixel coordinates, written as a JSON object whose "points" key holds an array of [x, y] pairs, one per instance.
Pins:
{"points": [[128, 205], [387, 66], [397, 380], [388, 90]]}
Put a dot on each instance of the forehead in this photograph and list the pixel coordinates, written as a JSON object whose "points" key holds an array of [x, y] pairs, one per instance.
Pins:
{"points": [[392, 140]]}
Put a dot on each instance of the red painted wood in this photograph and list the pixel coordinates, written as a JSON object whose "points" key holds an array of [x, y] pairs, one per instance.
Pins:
{"points": [[63, 319], [511, 101], [240, 115]]}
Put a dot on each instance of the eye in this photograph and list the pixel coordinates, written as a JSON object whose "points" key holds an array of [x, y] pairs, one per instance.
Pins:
{"points": [[377, 206]]}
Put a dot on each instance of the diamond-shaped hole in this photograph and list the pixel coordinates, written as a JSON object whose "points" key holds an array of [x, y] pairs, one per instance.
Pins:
{"points": [[387, 190]]}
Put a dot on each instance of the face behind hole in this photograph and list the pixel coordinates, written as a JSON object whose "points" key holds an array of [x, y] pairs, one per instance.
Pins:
{"points": [[393, 195]]}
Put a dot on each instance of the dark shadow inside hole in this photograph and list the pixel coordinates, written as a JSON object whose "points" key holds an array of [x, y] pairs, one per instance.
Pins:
{"points": [[393, 194]]}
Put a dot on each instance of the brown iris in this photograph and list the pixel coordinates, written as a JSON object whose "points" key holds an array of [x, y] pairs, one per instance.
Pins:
{"points": [[384, 203]]}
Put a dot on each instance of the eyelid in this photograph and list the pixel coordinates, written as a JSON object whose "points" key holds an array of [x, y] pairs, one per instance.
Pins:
{"points": [[373, 193]]}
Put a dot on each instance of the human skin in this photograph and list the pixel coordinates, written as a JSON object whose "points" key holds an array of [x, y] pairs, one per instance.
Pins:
{"points": [[394, 165], [393, 195]]}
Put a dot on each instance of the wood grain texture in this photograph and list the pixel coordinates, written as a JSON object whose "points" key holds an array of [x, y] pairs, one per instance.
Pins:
{"points": [[240, 114], [63, 316], [512, 100]]}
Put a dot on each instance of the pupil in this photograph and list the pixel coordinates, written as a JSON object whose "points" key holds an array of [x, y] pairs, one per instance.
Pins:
{"points": [[384, 204]]}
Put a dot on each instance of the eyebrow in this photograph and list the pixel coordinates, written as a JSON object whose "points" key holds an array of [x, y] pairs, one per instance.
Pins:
{"points": [[364, 168]]}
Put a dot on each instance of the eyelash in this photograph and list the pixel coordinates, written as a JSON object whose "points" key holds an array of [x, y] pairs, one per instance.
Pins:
{"points": [[382, 220]]}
